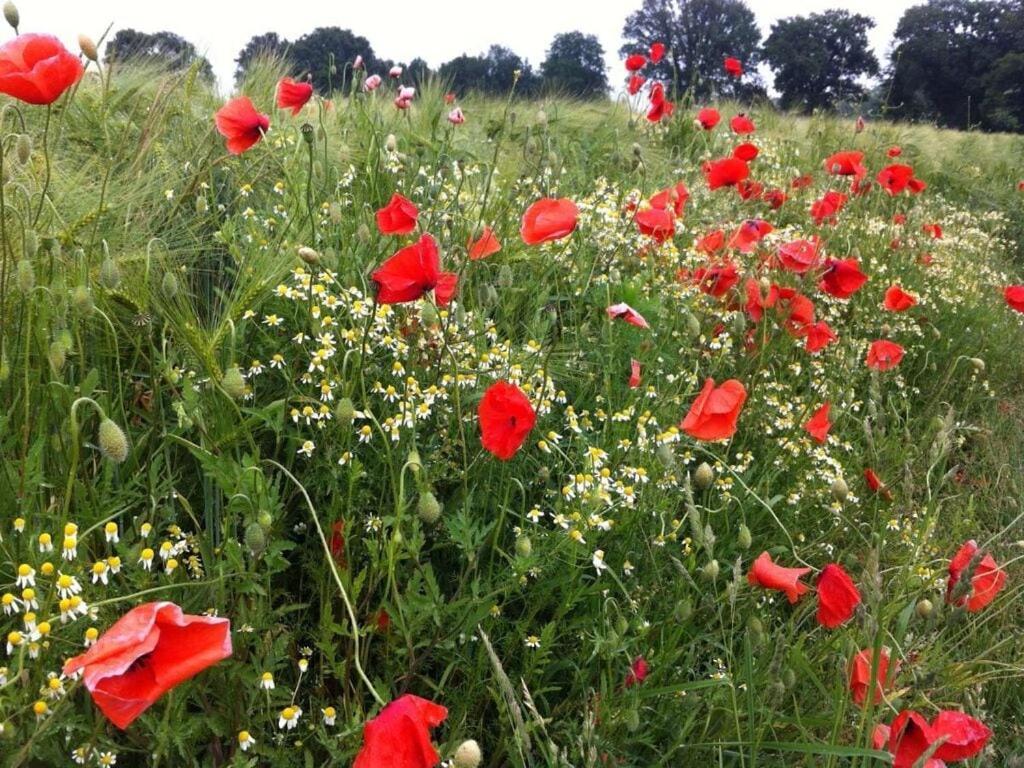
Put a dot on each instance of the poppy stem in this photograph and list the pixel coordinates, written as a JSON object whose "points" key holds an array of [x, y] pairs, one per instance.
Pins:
{"points": [[337, 580], [46, 155]]}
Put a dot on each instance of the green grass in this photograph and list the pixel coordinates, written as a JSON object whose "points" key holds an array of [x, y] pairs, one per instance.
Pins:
{"points": [[146, 279]]}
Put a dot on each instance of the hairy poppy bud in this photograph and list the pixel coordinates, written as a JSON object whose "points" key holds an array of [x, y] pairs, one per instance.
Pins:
{"points": [[711, 570], [633, 720], [692, 326], [169, 285], [524, 547], [428, 313], [31, 243], [110, 275], [11, 14], [428, 508], [637, 150], [840, 490], [265, 519], [744, 539], [307, 133], [23, 149], [788, 677], [363, 233], [112, 442], [201, 205], [57, 356], [621, 625], [666, 455], [979, 364], [505, 277], [414, 462], [88, 48], [683, 610], [233, 382], [468, 755], [391, 143], [345, 412], [308, 255], [542, 117], [543, 474], [255, 539], [81, 299], [924, 608], [26, 276], [756, 629], [703, 476], [335, 212]]}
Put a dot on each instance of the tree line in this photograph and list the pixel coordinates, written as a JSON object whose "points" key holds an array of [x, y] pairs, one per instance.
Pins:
{"points": [[959, 63]]}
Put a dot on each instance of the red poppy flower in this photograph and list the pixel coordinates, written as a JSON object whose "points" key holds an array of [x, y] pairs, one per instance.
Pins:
{"points": [[657, 52], [749, 189], [1014, 295], [398, 217], [727, 172], [741, 124], [37, 69], [708, 118], [797, 310], [412, 272], [765, 573], [717, 280], [894, 151], [842, 278], [712, 242], [860, 675], [817, 336], [802, 181], [638, 672], [657, 223], [147, 652], [895, 178], [846, 164], [838, 596], [636, 82], [714, 413], [293, 95], [399, 737], [240, 123], [934, 230], [799, 256], [634, 374], [987, 580], [549, 219], [506, 418], [337, 543], [915, 186], [827, 207], [884, 355], [910, 736], [627, 313], [749, 234], [672, 197], [745, 152], [661, 107], [486, 245], [819, 425], [635, 62], [965, 736], [733, 66], [775, 198], [875, 484], [898, 300]]}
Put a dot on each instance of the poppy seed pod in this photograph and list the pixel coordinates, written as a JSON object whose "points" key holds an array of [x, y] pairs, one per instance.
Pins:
{"points": [[88, 48], [23, 149], [428, 508], [12, 15], [112, 442], [307, 133], [924, 608], [255, 539], [468, 755], [308, 255], [524, 547], [233, 382], [840, 490], [703, 476]]}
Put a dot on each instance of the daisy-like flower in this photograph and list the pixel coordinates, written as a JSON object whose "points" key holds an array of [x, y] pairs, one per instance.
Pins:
{"points": [[14, 640], [115, 564], [598, 561], [26, 576], [45, 543], [100, 572], [107, 758], [330, 715], [28, 599], [171, 566], [289, 718], [69, 551], [303, 665], [41, 708], [80, 754], [146, 559], [267, 681], [308, 446], [110, 531], [9, 603], [91, 636], [145, 529], [54, 686], [532, 641], [245, 741], [67, 585], [166, 549], [19, 525]]}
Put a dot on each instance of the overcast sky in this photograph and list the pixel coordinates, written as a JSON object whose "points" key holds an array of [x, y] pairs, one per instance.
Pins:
{"points": [[437, 30]]}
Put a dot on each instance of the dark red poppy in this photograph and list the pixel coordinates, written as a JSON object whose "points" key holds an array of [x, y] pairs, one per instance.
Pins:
{"points": [[748, 189], [708, 118], [399, 737], [801, 181], [147, 652], [673, 198], [413, 272], [898, 300], [714, 413], [765, 573], [657, 223], [842, 278], [634, 374], [875, 483], [727, 172], [657, 52], [549, 219], [37, 69], [398, 217], [846, 164], [716, 279], [860, 675], [933, 230], [799, 256], [485, 245], [819, 425], [895, 178], [506, 418], [713, 242], [894, 151], [636, 82], [915, 186], [240, 123], [293, 95], [741, 124], [337, 543], [838, 596], [988, 578], [909, 737], [635, 62], [745, 152], [817, 336], [826, 208], [775, 198], [625, 312], [638, 672], [733, 66], [884, 355], [1014, 296]]}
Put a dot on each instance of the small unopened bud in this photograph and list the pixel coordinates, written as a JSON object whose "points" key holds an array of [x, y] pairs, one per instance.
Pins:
{"points": [[788, 677], [26, 276], [307, 133], [112, 442], [201, 205], [169, 285], [840, 490], [88, 48], [391, 143], [345, 412], [505, 277], [23, 148], [743, 538], [703, 476], [363, 233], [692, 326], [683, 610], [233, 382], [428, 313], [413, 462], [255, 539], [308, 255], [429, 508], [31, 243], [110, 275], [756, 629], [542, 117], [979, 364], [11, 14], [524, 547], [924, 608], [543, 474], [81, 299], [666, 455], [637, 150], [711, 570], [265, 519], [336, 214], [57, 355], [468, 755]]}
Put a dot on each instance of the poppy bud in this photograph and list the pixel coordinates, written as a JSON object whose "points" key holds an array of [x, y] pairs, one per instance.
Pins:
{"points": [[756, 630], [542, 117], [428, 508], [81, 299], [413, 462], [307, 133], [26, 276], [886, 329], [744, 539], [683, 610], [543, 474], [979, 364], [505, 277], [308, 255], [112, 443], [390, 143], [11, 14], [840, 490], [703, 476], [31, 243], [57, 356], [88, 48], [255, 539], [468, 755], [711, 570], [345, 412], [788, 677], [23, 149], [363, 233], [692, 326], [233, 382], [110, 275], [334, 210], [621, 625], [524, 547], [633, 720], [5, 367], [201, 205], [924, 608], [169, 285], [265, 519], [637, 150], [428, 313]]}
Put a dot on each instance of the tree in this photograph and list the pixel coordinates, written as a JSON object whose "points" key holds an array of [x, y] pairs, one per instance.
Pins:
{"points": [[1003, 104], [267, 44], [492, 73], [945, 55], [465, 73], [699, 35], [163, 48], [575, 65], [818, 59], [326, 52]]}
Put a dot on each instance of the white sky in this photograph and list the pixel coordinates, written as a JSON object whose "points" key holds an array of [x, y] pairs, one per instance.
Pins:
{"points": [[437, 30]]}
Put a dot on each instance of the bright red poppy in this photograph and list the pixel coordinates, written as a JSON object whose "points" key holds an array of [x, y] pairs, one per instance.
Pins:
{"points": [[765, 573], [817, 336], [717, 279], [826, 208], [398, 217], [672, 197], [745, 152], [635, 62], [413, 272], [399, 737], [293, 95], [741, 124], [657, 52], [661, 107], [898, 300], [988, 578], [750, 189], [819, 425], [838, 596], [708, 118], [875, 483], [711, 243], [842, 278], [485, 245], [147, 652], [37, 69], [714, 413], [727, 172], [1014, 295], [965, 735], [549, 219], [799, 256], [240, 123], [846, 164], [933, 230], [638, 672], [634, 373], [860, 675], [894, 151], [910, 736], [895, 178], [636, 82], [748, 234], [506, 418], [884, 355], [775, 198], [625, 312], [733, 66], [657, 223]]}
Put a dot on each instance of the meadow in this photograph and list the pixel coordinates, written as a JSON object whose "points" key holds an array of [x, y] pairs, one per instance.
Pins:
{"points": [[677, 468]]}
